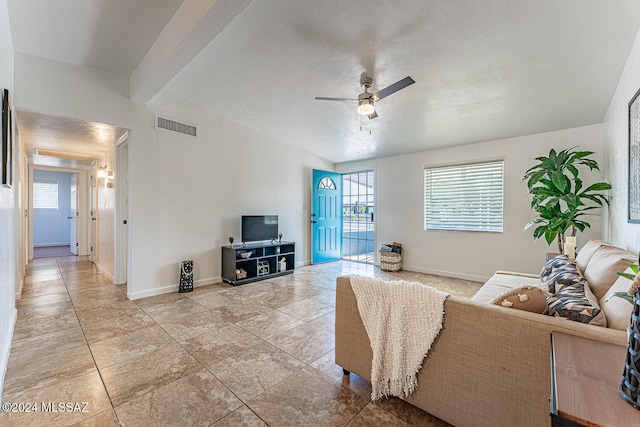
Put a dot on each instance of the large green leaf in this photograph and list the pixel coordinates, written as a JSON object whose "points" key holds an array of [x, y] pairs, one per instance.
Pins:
{"points": [[557, 194]]}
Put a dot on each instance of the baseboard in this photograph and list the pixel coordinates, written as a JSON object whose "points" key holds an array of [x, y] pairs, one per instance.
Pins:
{"points": [[48, 245], [170, 288], [105, 272], [6, 348], [452, 274], [303, 263], [20, 288]]}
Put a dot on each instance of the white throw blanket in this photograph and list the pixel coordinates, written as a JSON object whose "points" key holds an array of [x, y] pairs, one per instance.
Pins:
{"points": [[402, 319]]}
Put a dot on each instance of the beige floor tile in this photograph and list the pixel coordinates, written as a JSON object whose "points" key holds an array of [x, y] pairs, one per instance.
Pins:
{"points": [[238, 310], [48, 365], [279, 299], [170, 298], [41, 300], [306, 342], [91, 315], [50, 342], [103, 419], [44, 288], [326, 322], [137, 376], [198, 399], [410, 413], [34, 320], [270, 324], [182, 326], [372, 415], [307, 309], [80, 284], [183, 305], [326, 297], [309, 398], [252, 371], [86, 388], [117, 349], [241, 417], [96, 297], [115, 326], [219, 344], [326, 364]]}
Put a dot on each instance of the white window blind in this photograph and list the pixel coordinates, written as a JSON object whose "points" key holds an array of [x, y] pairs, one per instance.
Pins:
{"points": [[45, 195], [464, 197]]}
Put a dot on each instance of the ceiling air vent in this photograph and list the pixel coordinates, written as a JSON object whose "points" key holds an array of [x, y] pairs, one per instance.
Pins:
{"points": [[172, 125]]}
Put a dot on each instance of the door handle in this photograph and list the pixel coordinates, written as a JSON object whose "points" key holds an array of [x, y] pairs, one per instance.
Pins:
{"points": [[69, 217], [314, 222]]}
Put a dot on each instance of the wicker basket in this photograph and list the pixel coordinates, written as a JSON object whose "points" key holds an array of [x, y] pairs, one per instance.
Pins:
{"points": [[390, 261]]}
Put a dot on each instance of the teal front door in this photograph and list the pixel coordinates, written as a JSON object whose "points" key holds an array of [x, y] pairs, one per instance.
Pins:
{"points": [[326, 217]]}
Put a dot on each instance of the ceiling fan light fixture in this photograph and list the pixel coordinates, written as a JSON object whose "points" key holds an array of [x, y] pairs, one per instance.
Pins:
{"points": [[365, 106]]}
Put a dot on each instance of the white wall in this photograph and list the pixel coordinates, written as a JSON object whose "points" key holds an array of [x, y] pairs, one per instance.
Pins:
{"points": [[186, 195], [9, 225], [52, 227], [618, 230], [471, 255]]}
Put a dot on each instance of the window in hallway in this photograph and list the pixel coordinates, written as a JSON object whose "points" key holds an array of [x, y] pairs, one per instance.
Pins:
{"points": [[358, 229]]}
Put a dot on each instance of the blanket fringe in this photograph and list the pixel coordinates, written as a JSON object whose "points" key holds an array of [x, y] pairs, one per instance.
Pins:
{"points": [[401, 387]]}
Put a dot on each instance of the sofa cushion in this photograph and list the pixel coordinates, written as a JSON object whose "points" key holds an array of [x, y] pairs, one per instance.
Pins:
{"points": [[586, 252], [576, 302], [528, 298], [617, 310], [603, 265], [502, 282], [565, 273]]}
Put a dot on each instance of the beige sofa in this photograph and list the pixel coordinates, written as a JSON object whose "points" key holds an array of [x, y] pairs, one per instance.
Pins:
{"points": [[490, 365]]}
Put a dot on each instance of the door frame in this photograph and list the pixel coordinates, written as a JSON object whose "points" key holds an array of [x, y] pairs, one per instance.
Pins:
{"points": [[83, 207], [375, 208], [122, 246]]}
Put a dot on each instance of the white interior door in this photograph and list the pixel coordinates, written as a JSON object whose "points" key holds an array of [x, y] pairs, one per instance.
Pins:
{"points": [[73, 215]]}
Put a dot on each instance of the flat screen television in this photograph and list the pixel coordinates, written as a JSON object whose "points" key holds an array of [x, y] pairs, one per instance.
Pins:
{"points": [[259, 227]]}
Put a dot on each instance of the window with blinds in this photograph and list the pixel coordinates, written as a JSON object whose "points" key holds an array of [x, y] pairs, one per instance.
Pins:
{"points": [[464, 197], [45, 195]]}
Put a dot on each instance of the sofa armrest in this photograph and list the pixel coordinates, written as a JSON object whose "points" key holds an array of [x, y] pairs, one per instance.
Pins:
{"points": [[489, 366]]}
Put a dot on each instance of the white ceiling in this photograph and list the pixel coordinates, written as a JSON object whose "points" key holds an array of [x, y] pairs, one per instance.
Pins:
{"points": [[484, 70]]}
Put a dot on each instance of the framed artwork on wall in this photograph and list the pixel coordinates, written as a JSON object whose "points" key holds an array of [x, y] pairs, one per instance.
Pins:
{"points": [[634, 159], [7, 140]]}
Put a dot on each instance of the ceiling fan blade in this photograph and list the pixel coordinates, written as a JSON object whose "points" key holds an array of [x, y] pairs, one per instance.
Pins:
{"points": [[383, 93], [373, 115], [322, 98]]}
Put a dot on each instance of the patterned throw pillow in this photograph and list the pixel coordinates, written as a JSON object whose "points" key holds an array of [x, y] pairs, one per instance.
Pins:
{"points": [[559, 273], [527, 297], [576, 302], [553, 264]]}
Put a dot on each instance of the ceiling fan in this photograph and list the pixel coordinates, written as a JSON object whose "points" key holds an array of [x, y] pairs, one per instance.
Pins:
{"points": [[366, 100]]}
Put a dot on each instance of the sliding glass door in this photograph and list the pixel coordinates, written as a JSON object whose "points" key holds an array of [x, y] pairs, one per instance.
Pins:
{"points": [[358, 225]]}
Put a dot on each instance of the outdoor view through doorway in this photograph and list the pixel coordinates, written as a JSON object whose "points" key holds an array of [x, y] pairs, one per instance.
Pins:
{"points": [[358, 224]]}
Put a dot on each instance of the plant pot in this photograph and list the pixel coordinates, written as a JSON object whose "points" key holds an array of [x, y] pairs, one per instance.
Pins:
{"points": [[630, 386]]}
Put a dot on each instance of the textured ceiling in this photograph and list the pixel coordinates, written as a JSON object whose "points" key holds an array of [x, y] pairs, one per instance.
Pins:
{"points": [[484, 70]]}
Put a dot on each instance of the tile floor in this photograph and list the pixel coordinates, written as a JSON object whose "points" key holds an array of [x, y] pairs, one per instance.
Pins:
{"points": [[254, 355]]}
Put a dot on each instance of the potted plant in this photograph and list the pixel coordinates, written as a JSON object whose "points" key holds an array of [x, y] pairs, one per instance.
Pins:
{"points": [[558, 196], [231, 241]]}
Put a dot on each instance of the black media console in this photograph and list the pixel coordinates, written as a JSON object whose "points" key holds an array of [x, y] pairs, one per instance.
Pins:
{"points": [[257, 261]]}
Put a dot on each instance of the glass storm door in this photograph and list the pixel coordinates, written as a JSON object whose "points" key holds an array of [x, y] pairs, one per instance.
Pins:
{"points": [[326, 217]]}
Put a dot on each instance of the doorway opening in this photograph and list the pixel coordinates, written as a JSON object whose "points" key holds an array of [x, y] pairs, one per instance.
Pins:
{"points": [[358, 223], [54, 213]]}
